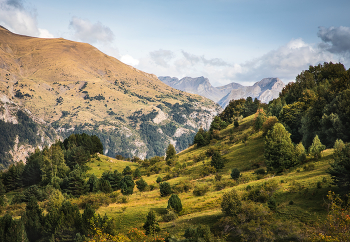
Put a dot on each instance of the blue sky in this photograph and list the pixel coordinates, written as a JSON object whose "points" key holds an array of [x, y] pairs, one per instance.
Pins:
{"points": [[224, 40]]}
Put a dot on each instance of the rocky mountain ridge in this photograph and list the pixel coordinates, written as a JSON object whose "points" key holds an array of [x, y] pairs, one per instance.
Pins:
{"points": [[264, 90]]}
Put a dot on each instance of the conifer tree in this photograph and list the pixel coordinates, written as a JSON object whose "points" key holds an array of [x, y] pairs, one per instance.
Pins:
{"points": [[151, 226], [105, 186], [127, 185], [174, 202], [33, 220], [279, 150], [93, 183], [316, 148], [141, 185], [170, 153], [137, 173], [217, 161], [127, 171]]}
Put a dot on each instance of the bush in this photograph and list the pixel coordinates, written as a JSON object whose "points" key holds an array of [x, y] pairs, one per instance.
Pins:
{"points": [[174, 202], [159, 179], [217, 161], [141, 185], [235, 174], [201, 233], [165, 189], [260, 171], [127, 171], [127, 185], [183, 186], [200, 190], [207, 170], [231, 203], [169, 216], [105, 186], [309, 167]]}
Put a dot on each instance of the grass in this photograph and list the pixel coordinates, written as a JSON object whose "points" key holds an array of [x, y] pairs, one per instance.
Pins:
{"points": [[297, 185]]}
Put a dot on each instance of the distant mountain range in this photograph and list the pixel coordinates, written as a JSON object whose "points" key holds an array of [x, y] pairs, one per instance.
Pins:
{"points": [[264, 90]]}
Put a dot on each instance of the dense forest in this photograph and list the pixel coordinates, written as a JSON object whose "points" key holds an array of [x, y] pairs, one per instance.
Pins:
{"points": [[267, 172]]}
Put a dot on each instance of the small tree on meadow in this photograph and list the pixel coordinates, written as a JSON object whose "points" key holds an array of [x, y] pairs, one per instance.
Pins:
{"points": [[300, 153], [231, 203], [279, 151], [235, 174], [340, 171], [159, 179], [235, 123], [127, 185], [174, 202], [105, 186], [170, 153], [137, 173], [316, 148], [260, 118], [151, 226], [127, 171], [141, 184], [165, 189], [217, 161]]}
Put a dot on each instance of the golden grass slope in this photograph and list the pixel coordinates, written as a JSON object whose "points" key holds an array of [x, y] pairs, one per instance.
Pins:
{"points": [[47, 69]]}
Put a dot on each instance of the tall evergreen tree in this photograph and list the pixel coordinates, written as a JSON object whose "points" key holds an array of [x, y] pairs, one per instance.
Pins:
{"points": [[127, 185], [151, 225], [170, 152], [217, 161], [33, 220], [279, 149]]}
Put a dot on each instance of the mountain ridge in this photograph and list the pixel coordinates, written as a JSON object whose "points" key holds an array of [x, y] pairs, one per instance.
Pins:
{"points": [[265, 90], [74, 87]]}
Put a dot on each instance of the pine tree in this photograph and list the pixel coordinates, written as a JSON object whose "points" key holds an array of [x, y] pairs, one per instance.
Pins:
{"points": [[127, 171], [151, 226], [174, 202], [93, 183], [141, 185], [279, 150], [76, 184], [105, 186], [316, 148], [217, 161], [33, 220], [165, 189], [170, 153], [137, 173], [340, 170], [235, 174], [127, 185]]}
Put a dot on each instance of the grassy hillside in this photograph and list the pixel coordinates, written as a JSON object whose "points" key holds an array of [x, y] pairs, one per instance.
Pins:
{"points": [[307, 189]]}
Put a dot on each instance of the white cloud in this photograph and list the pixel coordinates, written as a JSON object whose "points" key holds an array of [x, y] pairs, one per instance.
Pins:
{"points": [[43, 33], [161, 57], [86, 31], [16, 18], [128, 59]]}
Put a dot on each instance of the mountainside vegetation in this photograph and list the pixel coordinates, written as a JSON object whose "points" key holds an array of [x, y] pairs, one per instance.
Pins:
{"points": [[258, 173]]}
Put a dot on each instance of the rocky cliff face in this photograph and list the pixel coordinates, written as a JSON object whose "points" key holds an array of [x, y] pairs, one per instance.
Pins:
{"points": [[265, 90], [72, 87]]}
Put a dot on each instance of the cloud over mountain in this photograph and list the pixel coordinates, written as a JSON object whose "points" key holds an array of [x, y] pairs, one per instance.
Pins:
{"points": [[18, 18], [89, 32]]}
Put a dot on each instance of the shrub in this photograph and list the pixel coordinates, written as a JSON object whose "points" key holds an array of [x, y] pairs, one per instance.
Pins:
{"points": [[207, 170], [201, 233], [141, 185], [231, 203], [169, 216], [200, 190], [137, 173], [271, 203], [174, 202], [159, 179], [217, 161], [309, 167], [260, 171], [183, 186], [165, 189], [218, 177], [235, 174]]}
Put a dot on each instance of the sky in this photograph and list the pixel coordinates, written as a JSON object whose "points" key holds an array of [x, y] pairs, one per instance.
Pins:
{"points": [[225, 41]]}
